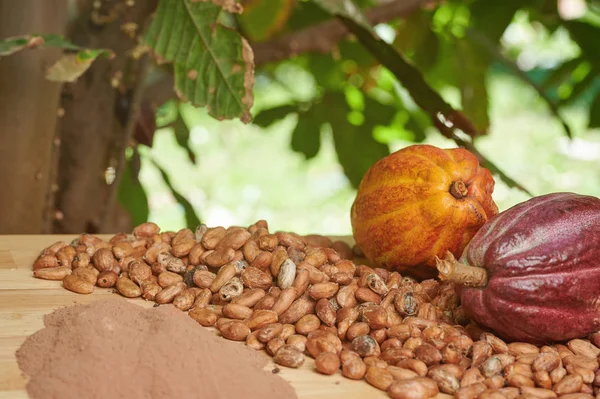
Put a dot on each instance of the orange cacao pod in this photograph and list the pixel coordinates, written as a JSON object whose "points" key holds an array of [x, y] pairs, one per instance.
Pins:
{"points": [[419, 202]]}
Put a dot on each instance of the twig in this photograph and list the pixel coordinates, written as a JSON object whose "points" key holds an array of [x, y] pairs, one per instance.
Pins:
{"points": [[486, 163]]}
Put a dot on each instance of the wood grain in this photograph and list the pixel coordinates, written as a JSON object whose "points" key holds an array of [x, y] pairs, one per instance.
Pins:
{"points": [[24, 300]]}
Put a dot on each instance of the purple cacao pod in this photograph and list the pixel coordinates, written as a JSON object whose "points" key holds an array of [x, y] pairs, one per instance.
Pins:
{"points": [[532, 272]]}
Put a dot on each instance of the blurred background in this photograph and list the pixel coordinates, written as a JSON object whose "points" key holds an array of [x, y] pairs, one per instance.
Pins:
{"points": [[115, 146]]}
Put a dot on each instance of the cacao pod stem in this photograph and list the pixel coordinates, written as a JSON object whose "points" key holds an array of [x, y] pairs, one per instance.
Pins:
{"points": [[452, 270], [458, 189]]}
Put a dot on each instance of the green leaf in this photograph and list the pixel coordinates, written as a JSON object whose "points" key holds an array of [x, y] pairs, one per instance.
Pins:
{"points": [[594, 120], [262, 19], [586, 36], [386, 121], [410, 32], [377, 113], [378, 118], [71, 66], [327, 71], [182, 135], [269, 116], [493, 17], [352, 50], [213, 65], [167, 113], [417, 123], [489, 19], [579, 87], [426, 54], [306, 13], [12, 45], [356, 148], [474, 96], [560, 73], [191, 219], [306, 137], [131, 194], [416, 39]]}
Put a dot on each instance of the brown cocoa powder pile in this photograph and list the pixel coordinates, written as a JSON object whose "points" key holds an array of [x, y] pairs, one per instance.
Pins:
{"points": [[115, 349]]}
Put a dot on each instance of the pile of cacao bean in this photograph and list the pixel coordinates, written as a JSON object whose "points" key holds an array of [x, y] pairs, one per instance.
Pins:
{"points": [[294, 296]]}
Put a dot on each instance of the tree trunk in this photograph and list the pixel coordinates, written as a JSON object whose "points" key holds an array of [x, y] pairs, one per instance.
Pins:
{"points": [[99, 114], [28, 113]]}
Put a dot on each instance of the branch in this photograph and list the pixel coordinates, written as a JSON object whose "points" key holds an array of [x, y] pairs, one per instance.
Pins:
{"points": [[486, 163], [324, 36], [318, 38], [449, 132]]}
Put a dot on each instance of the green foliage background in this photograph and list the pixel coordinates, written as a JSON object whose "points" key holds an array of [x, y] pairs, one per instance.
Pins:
{"points": [[517, 82], [525, 78]]}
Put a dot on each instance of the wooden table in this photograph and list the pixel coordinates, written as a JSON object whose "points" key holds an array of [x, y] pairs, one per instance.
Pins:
{"points": [[25, 299]]}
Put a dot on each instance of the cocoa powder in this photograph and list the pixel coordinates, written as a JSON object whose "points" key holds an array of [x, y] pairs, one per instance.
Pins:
{"points": [[116, 349]]}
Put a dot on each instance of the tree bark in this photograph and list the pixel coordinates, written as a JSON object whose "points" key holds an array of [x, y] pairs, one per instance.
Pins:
{"points": [[28, 113], [99, 107]]}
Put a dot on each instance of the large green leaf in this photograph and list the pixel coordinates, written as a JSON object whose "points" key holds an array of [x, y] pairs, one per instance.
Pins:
{"points": [[594, 120], [131, 194], [262, 19], [214, 65], [306, 137], [191, 219], [269, 116], [356, 149]]}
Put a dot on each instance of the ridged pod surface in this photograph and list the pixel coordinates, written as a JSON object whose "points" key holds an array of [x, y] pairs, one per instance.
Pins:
{"points": [[541, 276], [418, 203]]}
